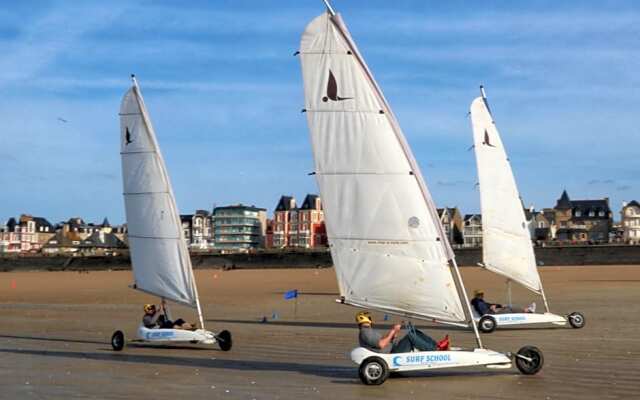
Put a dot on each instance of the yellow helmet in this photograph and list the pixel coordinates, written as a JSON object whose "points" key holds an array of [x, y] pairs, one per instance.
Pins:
{"points": [[478, 292], [363, 317], [149, 307]]}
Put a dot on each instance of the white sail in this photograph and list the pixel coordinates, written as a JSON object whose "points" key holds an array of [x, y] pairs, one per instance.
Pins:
{"points": [[159, 255], [506, 240], [387, 244]]}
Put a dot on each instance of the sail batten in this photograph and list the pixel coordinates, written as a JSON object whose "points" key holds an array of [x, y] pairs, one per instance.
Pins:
{"points": [[507, 248], [159, 256], [383, 196]]}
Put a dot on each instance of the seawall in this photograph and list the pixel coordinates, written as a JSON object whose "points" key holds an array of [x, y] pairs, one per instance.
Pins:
{"points": [[556, 256]]}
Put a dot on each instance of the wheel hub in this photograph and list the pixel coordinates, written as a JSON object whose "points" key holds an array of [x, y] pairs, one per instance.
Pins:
{"points": [[373, 371]]}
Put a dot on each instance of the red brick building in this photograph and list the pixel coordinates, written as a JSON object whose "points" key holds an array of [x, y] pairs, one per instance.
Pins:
{"points": [[301, 227]]}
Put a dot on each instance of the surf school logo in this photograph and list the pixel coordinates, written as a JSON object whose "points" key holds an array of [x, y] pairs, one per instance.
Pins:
{"points": [[423, 359], [332, 90], [159, 335], [515, 318], [127, 137]]}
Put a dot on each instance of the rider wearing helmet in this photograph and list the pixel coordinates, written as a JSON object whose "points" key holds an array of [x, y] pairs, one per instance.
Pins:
{"points": [[483, 307], [374, 341], [154, 318]]}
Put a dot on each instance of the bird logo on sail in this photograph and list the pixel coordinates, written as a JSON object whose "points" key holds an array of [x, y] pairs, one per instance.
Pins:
{"points": [[486, 139], [332, 90], [127, 136]]}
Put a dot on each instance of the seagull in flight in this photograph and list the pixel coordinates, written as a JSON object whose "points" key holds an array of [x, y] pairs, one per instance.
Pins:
{"points": [[62, 120]]}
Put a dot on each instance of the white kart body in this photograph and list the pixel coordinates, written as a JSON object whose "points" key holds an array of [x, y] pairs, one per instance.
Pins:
{"points": [[200, 336], [513, 319], [423, 360]]}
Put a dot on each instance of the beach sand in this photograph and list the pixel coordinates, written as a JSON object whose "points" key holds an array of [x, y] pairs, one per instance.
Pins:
{"points": [[56, 326]]}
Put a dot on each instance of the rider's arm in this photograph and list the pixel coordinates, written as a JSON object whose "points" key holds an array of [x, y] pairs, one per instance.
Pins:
{"points": [[384, 342]]}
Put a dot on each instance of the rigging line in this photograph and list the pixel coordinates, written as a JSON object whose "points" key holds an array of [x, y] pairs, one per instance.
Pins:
{"points": [[125, 114]]}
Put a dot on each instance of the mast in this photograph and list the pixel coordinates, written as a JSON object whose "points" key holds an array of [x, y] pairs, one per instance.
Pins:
{"points": [[421, 184], [347, 252], [466, 301], [329, 8], [183, 260], [507, 247]]}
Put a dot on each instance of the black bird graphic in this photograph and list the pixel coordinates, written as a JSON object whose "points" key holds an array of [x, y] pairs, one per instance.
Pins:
{"points": [[486, 139], [332, 90], [127, 137]]}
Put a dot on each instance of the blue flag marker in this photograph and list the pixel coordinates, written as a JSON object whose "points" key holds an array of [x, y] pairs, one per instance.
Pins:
{"points": [[291, 294], [386, 317]]}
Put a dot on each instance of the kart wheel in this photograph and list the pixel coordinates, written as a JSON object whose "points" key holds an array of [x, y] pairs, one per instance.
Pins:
{"points": [[533, 362], [487, 324], [373, 371], [224, 340], [117, 340], [576, 320]]}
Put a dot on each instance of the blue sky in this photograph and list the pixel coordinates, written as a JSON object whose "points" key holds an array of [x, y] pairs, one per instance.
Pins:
{"points": [[224, 92]]}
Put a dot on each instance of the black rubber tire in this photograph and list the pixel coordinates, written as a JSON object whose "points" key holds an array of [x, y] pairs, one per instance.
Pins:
{"points": [[576, 320], [117, 340], [224, 340], [373, 371], [530, 367], [487, 324]]}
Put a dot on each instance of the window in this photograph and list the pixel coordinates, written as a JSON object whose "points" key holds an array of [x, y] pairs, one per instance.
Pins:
{"points": [[601, 214], [578, 213]]}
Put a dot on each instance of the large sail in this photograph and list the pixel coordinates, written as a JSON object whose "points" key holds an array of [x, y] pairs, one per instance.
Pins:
{"points": [[387, 244], [506, 240], [159, 255]]}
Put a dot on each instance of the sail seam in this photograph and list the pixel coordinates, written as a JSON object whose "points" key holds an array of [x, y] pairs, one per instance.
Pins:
{"points": [[153, 237], [364, 173], [377, 112], [142, 193], [383, 239]]}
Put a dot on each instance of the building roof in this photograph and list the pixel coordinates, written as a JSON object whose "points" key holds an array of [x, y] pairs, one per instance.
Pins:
{"points": [[105, 223], [472, 216], [102, 240], [285, 203], [203, 212], [239, 207], [563, 202], [632, 203], [309, 202], [62, 240], [584, 206]]}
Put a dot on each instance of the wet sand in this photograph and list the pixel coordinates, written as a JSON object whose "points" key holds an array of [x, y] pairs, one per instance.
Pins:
{"points": [[54, 340]]}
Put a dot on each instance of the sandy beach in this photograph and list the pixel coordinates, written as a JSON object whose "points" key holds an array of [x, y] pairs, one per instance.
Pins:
{"points": [[55, 340]]}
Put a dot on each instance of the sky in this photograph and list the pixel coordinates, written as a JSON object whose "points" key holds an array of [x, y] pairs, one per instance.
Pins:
{"points": [[224, 92]]}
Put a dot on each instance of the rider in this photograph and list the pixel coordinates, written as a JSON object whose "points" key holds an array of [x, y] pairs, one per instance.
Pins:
{"points": [[154, 318], [482, 307], [374, 341]]}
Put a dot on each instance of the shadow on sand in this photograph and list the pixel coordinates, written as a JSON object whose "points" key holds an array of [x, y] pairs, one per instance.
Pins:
{"points": [[346, 375], [238, 365], [49, 339]]}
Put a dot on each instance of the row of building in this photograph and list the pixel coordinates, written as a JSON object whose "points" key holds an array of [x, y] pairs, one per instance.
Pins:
{"points": [[244, 228]]}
